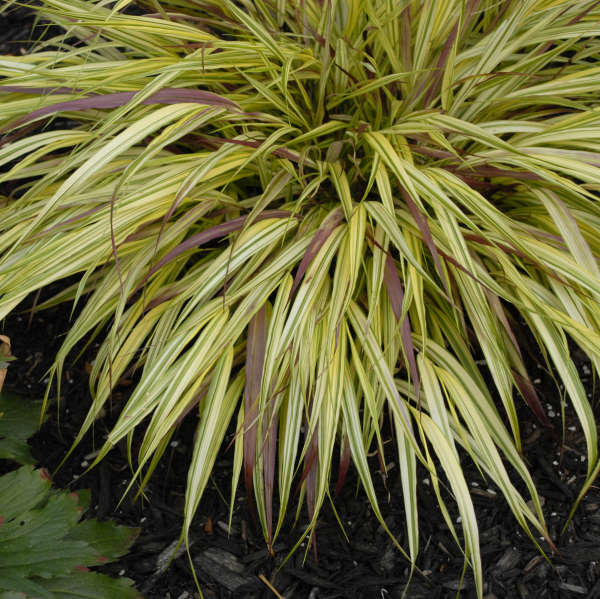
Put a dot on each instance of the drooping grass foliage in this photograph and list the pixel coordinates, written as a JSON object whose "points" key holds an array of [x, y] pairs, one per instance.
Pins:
{"points": [[303, 217]]}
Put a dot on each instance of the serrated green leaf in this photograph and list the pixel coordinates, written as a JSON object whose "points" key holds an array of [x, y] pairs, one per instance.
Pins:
{"points": [[19, 420], [44, 546]]}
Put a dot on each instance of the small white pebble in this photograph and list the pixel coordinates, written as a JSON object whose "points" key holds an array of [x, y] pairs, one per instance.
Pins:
{"points": [[572, 428], [474, 484], [491, 491], [426, 481], [143, 519], [85, 464], [459, 520], [551, 414], [122, 573], [174, 443], [555, 463], [554, 514], [582, 458], [537, 381], [45, 381]]}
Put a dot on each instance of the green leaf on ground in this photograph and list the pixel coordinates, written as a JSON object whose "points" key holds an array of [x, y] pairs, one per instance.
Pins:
{"points": [[45, 550], [19, 420]]}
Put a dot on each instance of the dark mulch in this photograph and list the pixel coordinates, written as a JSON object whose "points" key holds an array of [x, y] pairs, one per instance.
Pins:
{"points": [[237, 564], [15, 31]]}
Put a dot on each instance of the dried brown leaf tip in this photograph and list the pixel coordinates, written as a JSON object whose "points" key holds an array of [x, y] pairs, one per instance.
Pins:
{"points": [[5, 354]]}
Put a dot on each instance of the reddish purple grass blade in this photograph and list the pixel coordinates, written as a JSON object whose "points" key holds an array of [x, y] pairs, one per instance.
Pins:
{"points": [[426, 232], [442, 60], [492, 171], [255, 359], [324, 231], [472, 6], [493, 24], [499, 311], [211, 141], [473, 171], [309, 462], [68, 221], [528, 391], [522, 381], [311, 485], [309, 474], [194, 402], [582, 14], [204, 237], [270, 453], [159, 299], [538, 233], [104, 101], [573, 21], [405, 45], [460, 267], [396, 295], [344, 464]]}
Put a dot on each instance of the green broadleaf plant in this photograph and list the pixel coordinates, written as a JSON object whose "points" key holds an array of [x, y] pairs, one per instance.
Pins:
{"points": [[19, 420], [45, 551], [302, 217]]}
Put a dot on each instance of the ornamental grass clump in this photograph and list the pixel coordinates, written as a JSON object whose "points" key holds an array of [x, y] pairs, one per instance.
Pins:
{"points": [[303, 219]]}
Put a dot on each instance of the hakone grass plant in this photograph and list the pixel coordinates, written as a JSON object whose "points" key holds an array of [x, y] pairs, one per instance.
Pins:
{"points": [[304, 219]]}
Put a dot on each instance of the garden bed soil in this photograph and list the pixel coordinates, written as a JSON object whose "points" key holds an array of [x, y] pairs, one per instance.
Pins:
{"points": [[236, 563]]}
